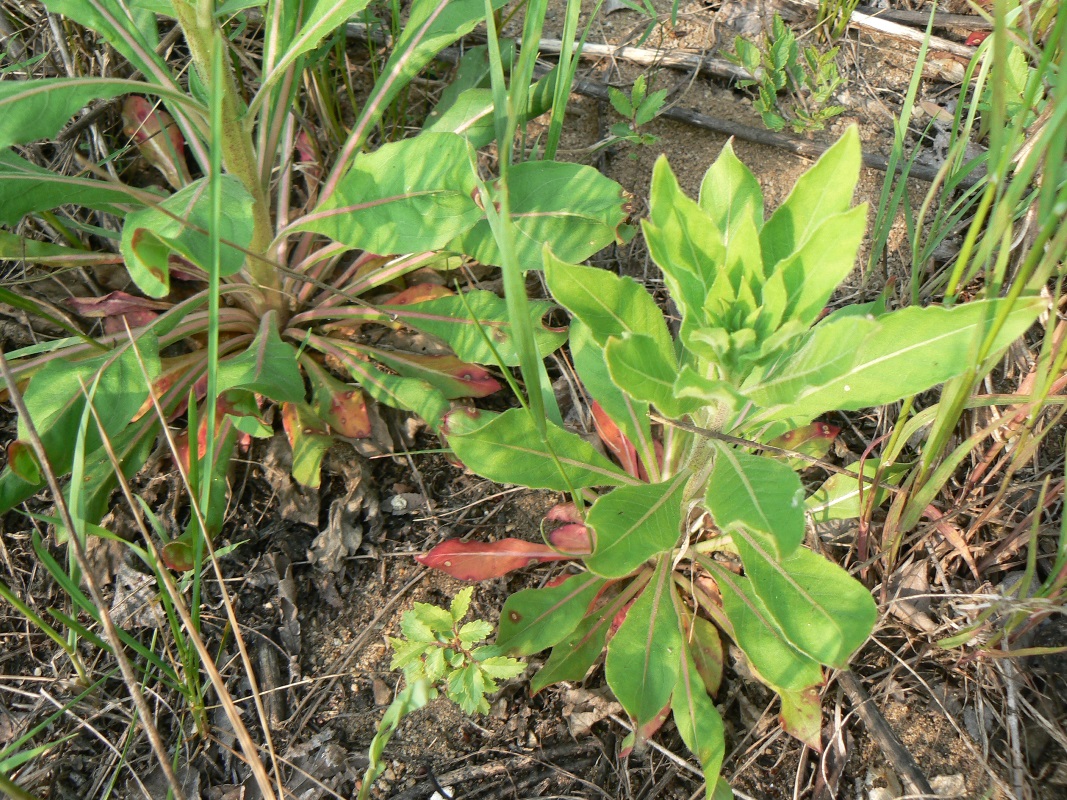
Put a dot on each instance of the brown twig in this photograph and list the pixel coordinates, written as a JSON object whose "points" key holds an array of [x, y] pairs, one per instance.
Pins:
{"points": [[902, 762]]}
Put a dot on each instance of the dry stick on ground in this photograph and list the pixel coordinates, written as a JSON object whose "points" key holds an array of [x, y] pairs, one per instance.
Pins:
{"points": [[880, 25], [942, 19], [897, 755]]}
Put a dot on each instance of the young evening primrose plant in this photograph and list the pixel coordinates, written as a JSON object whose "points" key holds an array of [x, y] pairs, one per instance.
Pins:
{"points": [[695, 531], [242, 299]]}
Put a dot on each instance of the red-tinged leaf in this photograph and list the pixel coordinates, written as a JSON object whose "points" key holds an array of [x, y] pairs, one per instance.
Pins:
{"points": [[157, 137], [129, 321], [183, 269], [698, 721], [801, 716], [419, 293], [613, 439], [113, 304], [618, 619], [642, 662], [479, 561], [642, 733], [571, 659], [572, 538], [976, 38], [812, 440], [342, 406], [706, 648], [657, 448], [564, 512], [307, 436], [453, 377], [298, 421], [307, 155], [178, 555], [23, 462]]}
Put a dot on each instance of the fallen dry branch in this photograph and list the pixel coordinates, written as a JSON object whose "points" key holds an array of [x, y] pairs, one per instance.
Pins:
{"points": [[869, 23], [900, 760]]}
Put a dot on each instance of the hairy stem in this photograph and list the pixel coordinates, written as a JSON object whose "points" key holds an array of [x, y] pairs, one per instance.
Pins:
{"points": [[238, 154]]}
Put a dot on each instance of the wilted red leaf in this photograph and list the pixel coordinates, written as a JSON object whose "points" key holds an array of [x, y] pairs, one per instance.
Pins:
{"points": [[157, 137], [976, 38], [643, 733], [564, 512], [419, 293], [573, 538], [113, 304], [479, 561], [613, 439]]}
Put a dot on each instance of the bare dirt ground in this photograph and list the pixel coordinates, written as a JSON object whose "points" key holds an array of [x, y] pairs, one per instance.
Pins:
{"points": [[316, 608]]}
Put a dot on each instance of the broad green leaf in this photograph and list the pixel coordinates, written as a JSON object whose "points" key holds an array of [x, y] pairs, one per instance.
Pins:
{"points": [[757, 493], [572, 657], [705, 646], [684, 243], [843, 497], [639, 366], [23, 462], [465, 322], [634, 523], [631, 416], [534, 619], [854, 362], [509, 449], [406, 196], [470, 115], [698, 721], [25, 188], [321, 19], [739, 280], [810, 275], [37, 109], [820, 608], [642, 665], [268, 366], [573, 208], [730, 193], [823, 191], [776, 660], [132, 446], [608, 304], [180, 223]]}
